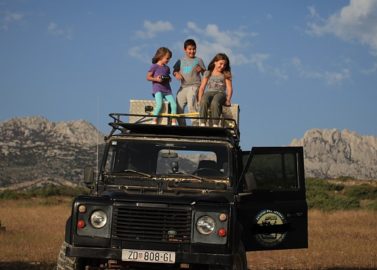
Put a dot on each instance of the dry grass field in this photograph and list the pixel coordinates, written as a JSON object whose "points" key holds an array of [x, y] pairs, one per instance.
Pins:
{"points": [[337, 240]]}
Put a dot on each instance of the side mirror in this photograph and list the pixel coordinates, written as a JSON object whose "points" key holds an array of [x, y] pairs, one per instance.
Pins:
{"points": [[88, 176]]}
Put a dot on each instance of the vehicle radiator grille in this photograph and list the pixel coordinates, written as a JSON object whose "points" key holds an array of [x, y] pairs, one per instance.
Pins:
{"points": [[152, 224]]}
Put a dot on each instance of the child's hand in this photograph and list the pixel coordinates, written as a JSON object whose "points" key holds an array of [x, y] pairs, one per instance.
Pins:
{"points": [[198, 68], [178, 76], [158, 79]]}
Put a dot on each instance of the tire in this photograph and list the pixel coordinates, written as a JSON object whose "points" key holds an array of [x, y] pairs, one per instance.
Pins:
{"points": [[67, 263], [239, 261]]}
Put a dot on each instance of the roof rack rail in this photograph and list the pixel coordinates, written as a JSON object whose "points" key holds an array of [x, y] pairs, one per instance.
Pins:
{"points": [[120, 122]]}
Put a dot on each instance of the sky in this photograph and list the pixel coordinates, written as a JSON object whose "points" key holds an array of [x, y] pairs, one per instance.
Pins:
{"points": [[296, 64]]}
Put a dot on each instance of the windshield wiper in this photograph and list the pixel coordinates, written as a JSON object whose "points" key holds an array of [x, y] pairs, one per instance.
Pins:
{"points": [[137, 172], [193, 176]]}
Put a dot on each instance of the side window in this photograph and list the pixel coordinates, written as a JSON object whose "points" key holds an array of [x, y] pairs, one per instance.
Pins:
{"points": [[275, 172]]}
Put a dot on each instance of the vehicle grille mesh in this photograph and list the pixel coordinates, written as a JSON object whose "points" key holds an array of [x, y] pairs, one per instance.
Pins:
{"points": [[153, 224]]}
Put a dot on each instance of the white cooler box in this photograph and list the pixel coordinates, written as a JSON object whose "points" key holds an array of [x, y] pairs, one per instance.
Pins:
{"points": [[146, 107]]}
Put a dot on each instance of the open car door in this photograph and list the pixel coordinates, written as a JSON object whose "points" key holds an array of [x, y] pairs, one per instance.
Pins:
{"points": [[272, 199]]}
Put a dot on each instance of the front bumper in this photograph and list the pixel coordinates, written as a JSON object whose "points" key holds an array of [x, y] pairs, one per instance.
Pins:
{"points": [[181, 257]]}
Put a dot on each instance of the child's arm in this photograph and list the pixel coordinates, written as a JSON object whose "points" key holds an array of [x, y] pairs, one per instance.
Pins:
{"points": [[200, 68], [178, 75], [202, 88], [176, 70], [229, 92], [153, 79]]}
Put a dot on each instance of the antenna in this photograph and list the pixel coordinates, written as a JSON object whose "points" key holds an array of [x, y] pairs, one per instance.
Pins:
{"points": [[97, 145], [97, 133]]}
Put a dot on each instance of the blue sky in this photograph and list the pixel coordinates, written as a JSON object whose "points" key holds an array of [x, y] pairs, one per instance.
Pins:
{"points": [[296, 65]]}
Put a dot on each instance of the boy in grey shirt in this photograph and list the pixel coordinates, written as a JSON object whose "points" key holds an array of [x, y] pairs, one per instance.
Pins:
{"points": [[188, 70]]}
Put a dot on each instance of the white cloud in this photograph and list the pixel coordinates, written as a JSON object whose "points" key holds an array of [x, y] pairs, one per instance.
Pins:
{"points": [[8, 18], [259, 60], [151, 29], [213, 40], [356, 21], [55, 30], [139, 52], [330, 77]]}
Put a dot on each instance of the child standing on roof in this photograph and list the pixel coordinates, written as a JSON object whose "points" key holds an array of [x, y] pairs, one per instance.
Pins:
{"points": [[217, 80], [159, 75], [188, 70]]}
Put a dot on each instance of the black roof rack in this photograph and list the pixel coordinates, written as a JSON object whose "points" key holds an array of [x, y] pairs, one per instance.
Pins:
{"points": [[140, 123]]}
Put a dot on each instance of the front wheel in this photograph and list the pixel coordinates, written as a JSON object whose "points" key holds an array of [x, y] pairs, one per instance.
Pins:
{"points": [[67, 263], [240, 262]]}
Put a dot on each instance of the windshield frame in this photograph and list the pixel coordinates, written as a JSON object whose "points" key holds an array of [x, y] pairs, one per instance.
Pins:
{"points": [[182, 178]]}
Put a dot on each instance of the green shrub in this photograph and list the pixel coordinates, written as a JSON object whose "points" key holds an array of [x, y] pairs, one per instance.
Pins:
{"points": [[362, 192], [44, 192], [9, 195], [324, 195], [372, 205]]}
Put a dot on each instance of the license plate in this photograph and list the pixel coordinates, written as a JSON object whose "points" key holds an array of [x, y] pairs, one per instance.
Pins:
{"points": [[150, 256]]}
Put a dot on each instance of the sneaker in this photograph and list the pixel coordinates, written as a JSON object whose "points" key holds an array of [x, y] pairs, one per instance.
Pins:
{"points": [[202, 124], [154, 121], [174, 122], [215, 125]]}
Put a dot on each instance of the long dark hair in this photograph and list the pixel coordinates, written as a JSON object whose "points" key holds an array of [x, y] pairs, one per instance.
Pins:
{"points": [[227, 69], [161, 53]]}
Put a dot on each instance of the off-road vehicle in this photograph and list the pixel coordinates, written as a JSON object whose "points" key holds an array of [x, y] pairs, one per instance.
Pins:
{"points": [[185, 197]]}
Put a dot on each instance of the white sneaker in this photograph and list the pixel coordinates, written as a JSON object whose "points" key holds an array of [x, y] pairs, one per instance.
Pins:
{"points": [[174, 122], [202, 124], [215, 125]]}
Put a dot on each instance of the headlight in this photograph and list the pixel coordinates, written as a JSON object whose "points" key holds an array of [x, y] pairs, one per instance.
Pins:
{"points": [[98, 219], [205, 225]]}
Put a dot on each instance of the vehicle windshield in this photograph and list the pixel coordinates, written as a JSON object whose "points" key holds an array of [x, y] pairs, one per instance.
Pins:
{"points": [[201, 161]]}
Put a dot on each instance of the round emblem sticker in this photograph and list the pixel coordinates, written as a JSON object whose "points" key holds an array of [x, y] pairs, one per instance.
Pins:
{"points": [[270, 218]]}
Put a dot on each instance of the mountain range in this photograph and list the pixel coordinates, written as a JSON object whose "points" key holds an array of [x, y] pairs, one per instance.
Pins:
{"points": [[34, 150]]}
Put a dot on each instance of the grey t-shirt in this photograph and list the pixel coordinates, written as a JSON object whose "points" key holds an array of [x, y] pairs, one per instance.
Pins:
{"points": [[215, 83], [187, 68]]}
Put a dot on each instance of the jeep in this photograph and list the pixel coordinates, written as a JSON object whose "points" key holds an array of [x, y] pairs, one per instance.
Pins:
{"points": [[184, 197]]}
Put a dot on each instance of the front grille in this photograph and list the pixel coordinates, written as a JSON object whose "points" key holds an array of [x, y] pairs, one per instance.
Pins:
{"points": [[152, 224]]}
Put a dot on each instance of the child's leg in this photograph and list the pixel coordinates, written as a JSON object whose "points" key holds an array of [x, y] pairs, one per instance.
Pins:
{"points": [[191, 98], [192, 102], [204, 105], [181, 104], [173, 105], [181, 100], [158, 98], [217, 105]]}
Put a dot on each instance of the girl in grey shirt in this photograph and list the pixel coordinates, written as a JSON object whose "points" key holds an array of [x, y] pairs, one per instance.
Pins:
{"points": [[217, 81]]}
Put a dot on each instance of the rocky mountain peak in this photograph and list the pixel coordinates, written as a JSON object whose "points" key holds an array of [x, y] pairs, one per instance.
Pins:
{"points": [[34, 148], [333, 153], [37, 128]]}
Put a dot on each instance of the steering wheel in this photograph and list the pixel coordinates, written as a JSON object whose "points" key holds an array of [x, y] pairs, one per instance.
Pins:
{"points": [[207, 172]]}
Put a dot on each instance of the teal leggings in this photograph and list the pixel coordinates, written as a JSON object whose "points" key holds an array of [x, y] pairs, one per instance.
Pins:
{"points": [[159, 97]]}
